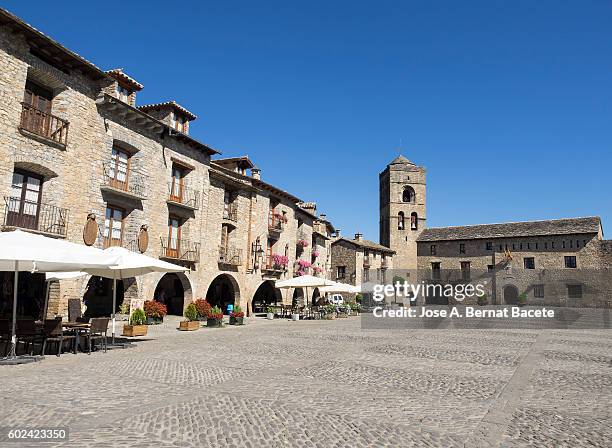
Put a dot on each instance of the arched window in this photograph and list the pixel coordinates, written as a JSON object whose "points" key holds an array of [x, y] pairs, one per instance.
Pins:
{"points": [[400, 221], [408, 194], [414, 221]]}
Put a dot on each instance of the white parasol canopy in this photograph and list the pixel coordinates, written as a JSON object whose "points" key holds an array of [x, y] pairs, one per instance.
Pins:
{"points": [[303, 281], [340, 287], [24, 251]]}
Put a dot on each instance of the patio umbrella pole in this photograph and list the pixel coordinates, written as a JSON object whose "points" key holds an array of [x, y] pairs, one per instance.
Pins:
{"points": [[12, 352], [114, 305], [44, 313]]}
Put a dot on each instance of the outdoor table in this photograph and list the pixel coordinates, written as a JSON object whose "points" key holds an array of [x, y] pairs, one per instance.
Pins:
{"points": [[77, 327]]}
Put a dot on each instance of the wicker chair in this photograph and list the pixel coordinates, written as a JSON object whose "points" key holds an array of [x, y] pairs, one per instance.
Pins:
{"points": [[98, 330], [52, 332]]}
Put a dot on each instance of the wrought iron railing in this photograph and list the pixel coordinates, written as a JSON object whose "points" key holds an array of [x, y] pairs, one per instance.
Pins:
{"points": [[129, 182], [276, 222], [271, 265], [41, 217], [183, 195], [230, 212], [230, 255], [180, 249], [44, 124]]}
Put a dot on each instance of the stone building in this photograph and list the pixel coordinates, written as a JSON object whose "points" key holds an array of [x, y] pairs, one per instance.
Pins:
{"points": [[359, 261], [81, 160], [562, 261], [554, 262]]}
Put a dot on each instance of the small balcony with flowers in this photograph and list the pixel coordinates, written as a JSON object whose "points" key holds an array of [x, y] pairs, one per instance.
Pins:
{"points": [[275, 265], [302, 267]]}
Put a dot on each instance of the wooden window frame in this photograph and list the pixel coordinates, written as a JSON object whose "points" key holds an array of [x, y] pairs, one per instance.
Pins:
{"points": [[19, 215], [108, 242]]}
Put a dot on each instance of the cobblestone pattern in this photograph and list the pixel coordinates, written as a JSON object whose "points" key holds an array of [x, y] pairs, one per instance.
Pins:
{"points": [[319, 384]]}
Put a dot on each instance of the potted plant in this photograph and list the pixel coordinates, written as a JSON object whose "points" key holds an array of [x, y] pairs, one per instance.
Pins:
{"points": [[522, 299], [355, 308], [269, 313], [482, 300], [329, 311], [137, 325], [237, 316], [191, 321], [295, 315], [280, 262], [203, 307], [215, 317], [155, 312], [302, 243]]}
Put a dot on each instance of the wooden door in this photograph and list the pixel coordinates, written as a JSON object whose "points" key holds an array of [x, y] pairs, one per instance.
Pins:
{"points": [[113, 226], [174, 237], [177, 187], [119, 169], [38, 119], [24, 203]]}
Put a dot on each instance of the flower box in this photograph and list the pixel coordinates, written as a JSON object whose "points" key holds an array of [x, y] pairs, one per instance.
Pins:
{"points": [[134, 330], [236, 320], [189, 325], [154, 320], [214, 323]]}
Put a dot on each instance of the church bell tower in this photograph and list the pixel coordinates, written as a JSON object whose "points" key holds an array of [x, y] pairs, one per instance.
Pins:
{"points": [[402, 210]]}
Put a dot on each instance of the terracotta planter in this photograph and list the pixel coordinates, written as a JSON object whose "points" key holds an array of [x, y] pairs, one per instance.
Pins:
{"points": [[134, 330], [214, 323], [236, 320], [189, 325]]}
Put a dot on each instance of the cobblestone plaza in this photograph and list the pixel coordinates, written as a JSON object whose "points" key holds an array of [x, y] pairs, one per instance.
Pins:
{"points": [[323, 384]]}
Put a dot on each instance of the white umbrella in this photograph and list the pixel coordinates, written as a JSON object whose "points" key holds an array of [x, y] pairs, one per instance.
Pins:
{"points": [[303, 281], [23, 251], [340, 287], [131, 264]]}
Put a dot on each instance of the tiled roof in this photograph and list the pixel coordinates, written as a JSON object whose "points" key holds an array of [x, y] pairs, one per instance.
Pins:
{"points": [[118, 73], [52, 49], [366, 244], [513, 229], [173, 104], [242, 161]]}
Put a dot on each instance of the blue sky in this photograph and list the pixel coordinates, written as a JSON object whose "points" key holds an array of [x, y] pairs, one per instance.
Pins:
{"points": [[507, 103]]}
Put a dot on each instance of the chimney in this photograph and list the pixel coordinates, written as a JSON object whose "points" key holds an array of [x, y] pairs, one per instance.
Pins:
{"points": [[338, 234], [309, 206], [358, 236], [256, 173], [323, 217]]}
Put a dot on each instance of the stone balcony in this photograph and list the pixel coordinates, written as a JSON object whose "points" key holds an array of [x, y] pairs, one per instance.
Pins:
{"points": [[42, 124], [41, 218], [182, 196], [129, 185], [230, 212], [230, 256], [180, 249]]}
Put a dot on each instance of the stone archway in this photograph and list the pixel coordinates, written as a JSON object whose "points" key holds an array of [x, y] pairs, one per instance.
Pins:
{"points": [[98, 296], [510, 295], [173, 290], [266, 294], [298, 297], [316, 296], [223, 291]]}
